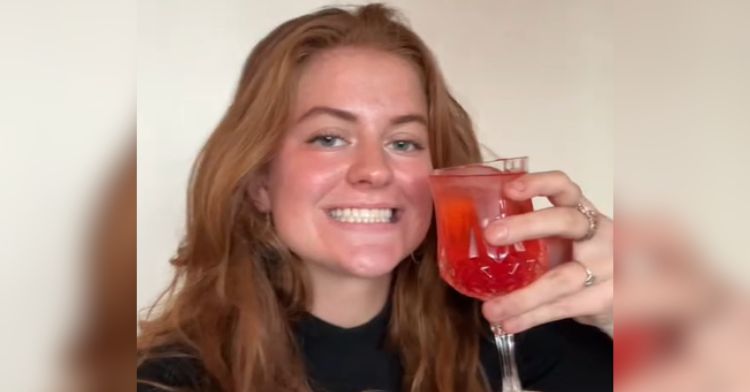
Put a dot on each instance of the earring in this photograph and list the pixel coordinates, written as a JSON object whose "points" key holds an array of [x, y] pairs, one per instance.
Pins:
{"points": [[413, 259]]}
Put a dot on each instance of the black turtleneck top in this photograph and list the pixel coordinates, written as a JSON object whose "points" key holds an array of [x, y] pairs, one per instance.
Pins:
{"points": [[562, 356]]}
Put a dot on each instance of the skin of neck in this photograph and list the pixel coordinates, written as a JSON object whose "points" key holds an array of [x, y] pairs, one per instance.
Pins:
{"points": [[347, 301]]}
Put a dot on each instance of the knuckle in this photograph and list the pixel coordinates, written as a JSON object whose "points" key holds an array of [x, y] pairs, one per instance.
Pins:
{"points": [[495, 311], [577, 191], [562, 176], [559, 174], [489, 310]]}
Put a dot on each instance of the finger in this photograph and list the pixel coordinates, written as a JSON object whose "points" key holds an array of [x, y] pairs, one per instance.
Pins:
{"points": [[565, 279], [593, 300], [565, 222], [555, 185]]}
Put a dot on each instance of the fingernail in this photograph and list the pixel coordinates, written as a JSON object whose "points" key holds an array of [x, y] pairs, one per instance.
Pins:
{"points": [[492, 312], [498, 313], [499, 232]]}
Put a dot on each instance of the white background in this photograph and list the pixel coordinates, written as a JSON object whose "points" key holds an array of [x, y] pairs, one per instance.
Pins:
{"points": [[67, 90]]}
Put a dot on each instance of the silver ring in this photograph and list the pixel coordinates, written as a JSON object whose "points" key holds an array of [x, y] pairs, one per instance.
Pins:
{"points": [[591, 216], [590, 278]]}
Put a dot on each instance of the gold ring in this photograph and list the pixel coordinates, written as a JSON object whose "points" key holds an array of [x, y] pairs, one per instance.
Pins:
{"points": [[590, 278], [591, 216]]}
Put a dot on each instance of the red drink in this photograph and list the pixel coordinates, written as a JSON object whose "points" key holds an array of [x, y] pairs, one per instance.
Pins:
{"points": [[466, 200], [636, 346], [631, 347]]}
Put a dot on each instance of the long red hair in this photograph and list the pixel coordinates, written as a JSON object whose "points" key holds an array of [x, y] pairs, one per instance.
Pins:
{"points": [[237, 290]]}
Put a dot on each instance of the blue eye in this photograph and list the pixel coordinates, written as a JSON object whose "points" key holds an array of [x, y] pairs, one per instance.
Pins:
{"points": [[327, 141], [406, 146]]}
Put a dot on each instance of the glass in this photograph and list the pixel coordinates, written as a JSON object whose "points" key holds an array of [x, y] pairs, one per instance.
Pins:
{"points": [[467, 198]]}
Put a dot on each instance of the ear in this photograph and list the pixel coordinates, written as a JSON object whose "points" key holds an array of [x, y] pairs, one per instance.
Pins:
{"points": [[258, 192]]}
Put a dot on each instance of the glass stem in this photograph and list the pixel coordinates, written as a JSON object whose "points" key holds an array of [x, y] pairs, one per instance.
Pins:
{"points": [[504, 342]]}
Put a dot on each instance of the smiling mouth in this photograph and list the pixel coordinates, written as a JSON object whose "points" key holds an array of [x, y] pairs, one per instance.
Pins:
{"points": [[365, 215]]}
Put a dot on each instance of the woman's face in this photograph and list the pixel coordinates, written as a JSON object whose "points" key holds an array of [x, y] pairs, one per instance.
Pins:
{"points": [[348, 190]]}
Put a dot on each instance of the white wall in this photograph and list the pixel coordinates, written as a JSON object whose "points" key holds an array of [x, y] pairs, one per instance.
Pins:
{"points": [[535, 76], [67, 93], [682, 113]]}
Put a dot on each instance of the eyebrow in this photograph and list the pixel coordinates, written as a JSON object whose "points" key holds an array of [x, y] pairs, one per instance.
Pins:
{"points": [[351, 117]]}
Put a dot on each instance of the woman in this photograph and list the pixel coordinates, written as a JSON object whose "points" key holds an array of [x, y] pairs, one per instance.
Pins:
{"points": [[309, 260]]}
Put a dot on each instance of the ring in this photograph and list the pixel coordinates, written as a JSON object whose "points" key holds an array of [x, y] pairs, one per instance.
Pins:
{"points": [[590, 278], [591, 216]]}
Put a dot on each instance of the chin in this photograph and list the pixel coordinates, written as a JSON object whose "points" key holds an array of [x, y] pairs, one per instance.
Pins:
{"points": [[367, 266]]}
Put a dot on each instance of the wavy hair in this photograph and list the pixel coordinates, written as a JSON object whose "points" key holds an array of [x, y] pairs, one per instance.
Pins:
{"points": [[237, 290]]}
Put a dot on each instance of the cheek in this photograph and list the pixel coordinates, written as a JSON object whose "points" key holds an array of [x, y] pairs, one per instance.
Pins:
{"points": [[417, 189], [297, 185], [298, 181], [425, 203]]}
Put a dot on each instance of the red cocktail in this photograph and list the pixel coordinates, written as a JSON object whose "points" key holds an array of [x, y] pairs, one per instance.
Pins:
{"points": [[467, 198]]}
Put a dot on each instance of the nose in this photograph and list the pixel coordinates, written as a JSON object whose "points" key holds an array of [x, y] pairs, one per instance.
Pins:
{"points": [[370, 166]]}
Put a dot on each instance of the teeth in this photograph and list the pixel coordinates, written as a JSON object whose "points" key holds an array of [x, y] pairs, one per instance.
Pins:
{"points": [[362, 215]]}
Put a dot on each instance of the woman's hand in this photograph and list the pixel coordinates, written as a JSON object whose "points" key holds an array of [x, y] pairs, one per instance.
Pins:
{"points": [[560, 293]]}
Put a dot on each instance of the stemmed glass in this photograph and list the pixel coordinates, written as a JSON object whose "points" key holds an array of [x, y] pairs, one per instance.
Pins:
{"points": [[467, 198]]}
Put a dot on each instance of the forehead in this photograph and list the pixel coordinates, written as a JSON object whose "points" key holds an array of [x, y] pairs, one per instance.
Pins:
{"points": [[354, 77]]}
